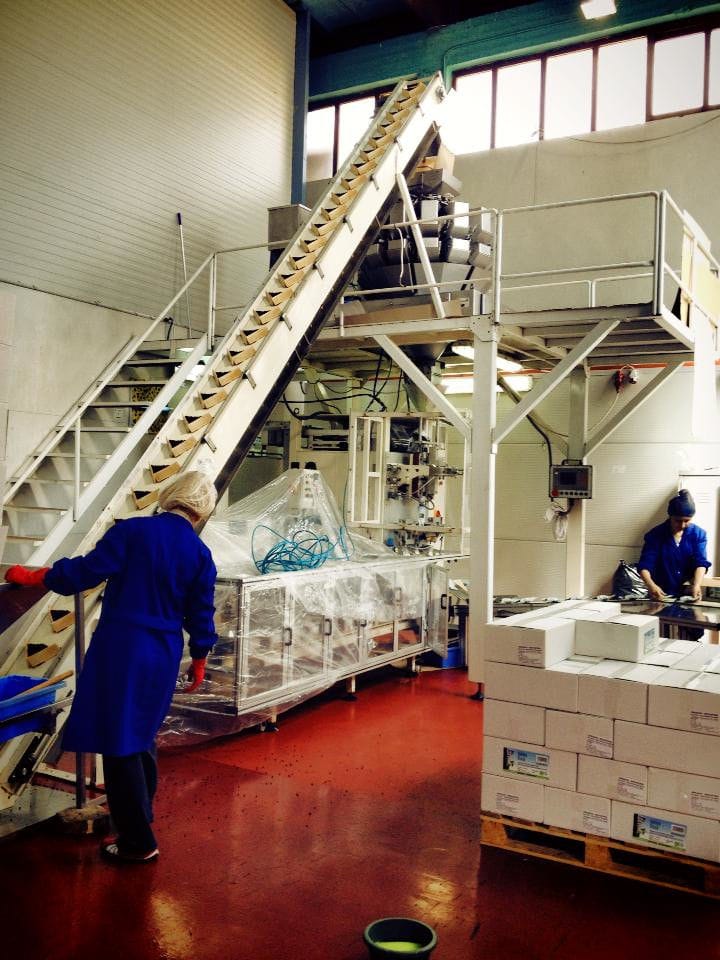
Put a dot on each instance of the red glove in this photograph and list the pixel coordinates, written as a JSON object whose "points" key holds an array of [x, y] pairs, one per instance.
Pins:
{"points": [[196, 675], [25, 577]]}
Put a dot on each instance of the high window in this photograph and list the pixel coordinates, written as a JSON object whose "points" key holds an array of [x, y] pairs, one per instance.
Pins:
{"points": [[600, 86]]}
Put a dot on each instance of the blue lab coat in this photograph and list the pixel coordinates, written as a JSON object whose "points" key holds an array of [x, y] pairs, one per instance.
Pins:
{"points": [[673, 564], [160, 579]]}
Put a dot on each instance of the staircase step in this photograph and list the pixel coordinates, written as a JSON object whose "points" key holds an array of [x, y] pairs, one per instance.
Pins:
{"points": [[11, 507], [119, 404], [334, 213], [53, 480], [161, 471], [138, 382], [153, 362], [71, 456], [105, 429]]}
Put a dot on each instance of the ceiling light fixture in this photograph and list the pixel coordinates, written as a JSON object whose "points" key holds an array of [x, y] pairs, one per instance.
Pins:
{"points": [[464, 348], [595, 9]]}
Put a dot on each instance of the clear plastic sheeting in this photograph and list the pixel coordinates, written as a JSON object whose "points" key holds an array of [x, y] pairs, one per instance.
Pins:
{"points": [[286, 637], [293, 521]]}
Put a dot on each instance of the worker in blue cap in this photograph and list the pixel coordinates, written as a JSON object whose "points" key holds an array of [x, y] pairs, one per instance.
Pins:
{"points": [[674, 559], [160, 581]]}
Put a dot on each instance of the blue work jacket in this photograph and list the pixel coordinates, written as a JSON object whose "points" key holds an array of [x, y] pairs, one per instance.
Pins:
{"points": [[673, 564], [160, 580]]}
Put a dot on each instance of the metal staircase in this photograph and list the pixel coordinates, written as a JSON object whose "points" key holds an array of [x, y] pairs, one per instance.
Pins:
{"points": [[95, 470]]}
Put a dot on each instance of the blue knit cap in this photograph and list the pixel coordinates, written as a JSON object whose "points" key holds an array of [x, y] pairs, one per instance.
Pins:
{"points": [[681, 505]]}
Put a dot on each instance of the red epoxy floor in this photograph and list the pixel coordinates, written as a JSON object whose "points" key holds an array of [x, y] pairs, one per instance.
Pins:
{"points": [[284, 846]]}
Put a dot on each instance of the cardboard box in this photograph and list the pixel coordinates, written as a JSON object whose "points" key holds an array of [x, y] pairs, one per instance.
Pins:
{"points": [[686, 701], [503, 757], [627, 637], [576, 811], [537, 643], [665, 830], [670, 652], [588, 613], [703, 657], [611, 607], [616, 689], [512, 798], [515, 721], [667, 749], [540, 688], [627, 782], [685, 792], [579, 733]]}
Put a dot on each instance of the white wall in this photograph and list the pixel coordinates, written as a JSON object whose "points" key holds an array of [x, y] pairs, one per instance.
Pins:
{"points": [[117, 116], [56, 347], [114, 118]]}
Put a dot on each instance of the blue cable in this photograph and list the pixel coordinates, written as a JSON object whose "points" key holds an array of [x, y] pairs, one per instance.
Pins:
{"points": [[305, 550]]}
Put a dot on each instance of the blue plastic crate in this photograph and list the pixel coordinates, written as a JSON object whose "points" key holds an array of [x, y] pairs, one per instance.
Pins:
{"points": [[13, 685]]}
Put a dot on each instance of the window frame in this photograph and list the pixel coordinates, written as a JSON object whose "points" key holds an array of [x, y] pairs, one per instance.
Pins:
{"points": [[705, 24]]}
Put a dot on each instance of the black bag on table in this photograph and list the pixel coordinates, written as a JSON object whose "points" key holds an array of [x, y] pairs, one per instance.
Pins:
{"points": [[627, 584]]}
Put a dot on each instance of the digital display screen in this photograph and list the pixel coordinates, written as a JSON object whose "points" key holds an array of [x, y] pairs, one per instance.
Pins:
{"points": [[568, 480], [572, 478]]}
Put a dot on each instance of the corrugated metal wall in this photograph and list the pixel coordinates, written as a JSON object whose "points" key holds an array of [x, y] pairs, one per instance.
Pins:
{"points": [[116, 115]]}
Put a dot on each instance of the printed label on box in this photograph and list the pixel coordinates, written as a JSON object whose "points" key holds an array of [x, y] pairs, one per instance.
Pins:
{"points": [[650, 640], [530, 656], [662, 833], [632, 789], [507, 803], [704, 803], [598, 747], [526, 762], [595, 823], [703, 722]]}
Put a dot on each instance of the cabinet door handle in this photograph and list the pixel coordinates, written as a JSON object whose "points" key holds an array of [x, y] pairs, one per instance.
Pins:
{"points": [[327, 626], [443, 601], [288, 636]]}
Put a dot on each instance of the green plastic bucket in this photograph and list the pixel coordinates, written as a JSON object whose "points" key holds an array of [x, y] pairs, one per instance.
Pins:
{"points": [[399, 937]]}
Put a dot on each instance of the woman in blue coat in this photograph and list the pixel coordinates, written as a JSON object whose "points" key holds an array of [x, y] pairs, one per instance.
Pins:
{"points": [[673, 559], [160, 580]]}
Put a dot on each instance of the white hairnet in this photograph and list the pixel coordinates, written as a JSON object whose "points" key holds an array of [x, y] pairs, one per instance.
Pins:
{"points": [[193, 491]]}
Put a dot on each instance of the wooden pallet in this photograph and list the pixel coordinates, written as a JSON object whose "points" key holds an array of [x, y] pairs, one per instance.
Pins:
{"points": [[615, 857]]}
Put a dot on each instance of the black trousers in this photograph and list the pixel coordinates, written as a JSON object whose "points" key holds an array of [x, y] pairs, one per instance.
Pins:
{"points": [[130, 785]]}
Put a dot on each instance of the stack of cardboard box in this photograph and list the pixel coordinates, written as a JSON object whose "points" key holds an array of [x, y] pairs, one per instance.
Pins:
{"points": [[596, 724]]}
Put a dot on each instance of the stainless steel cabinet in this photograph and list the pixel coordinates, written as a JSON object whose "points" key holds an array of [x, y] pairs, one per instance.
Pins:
{"points": [[292, 634]]}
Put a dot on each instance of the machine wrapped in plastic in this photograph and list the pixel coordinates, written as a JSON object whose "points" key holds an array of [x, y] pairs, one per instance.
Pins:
{"points": [[287, 634]]}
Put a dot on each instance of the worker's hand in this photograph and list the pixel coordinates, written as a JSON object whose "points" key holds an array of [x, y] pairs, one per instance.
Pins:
{"points": [[696, 592], [656, 592], [196, 675], [24, 577]]}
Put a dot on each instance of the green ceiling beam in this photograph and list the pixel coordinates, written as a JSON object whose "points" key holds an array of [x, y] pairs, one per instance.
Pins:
{"points": [[520, 31]]}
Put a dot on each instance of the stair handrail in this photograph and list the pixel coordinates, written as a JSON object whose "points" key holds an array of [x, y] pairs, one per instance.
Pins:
{"points": [[68, 421]]}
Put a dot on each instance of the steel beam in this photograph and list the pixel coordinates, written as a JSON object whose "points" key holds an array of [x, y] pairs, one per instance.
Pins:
{"points": [[547, 384]]}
